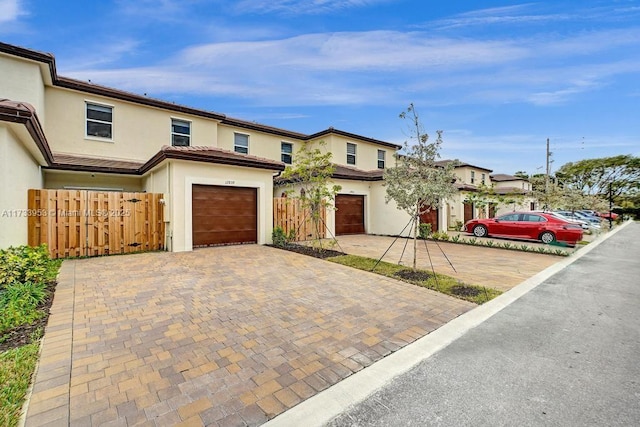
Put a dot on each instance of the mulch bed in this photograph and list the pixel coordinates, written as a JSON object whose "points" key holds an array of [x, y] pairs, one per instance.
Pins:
{"points": [[308, 250], [465, 291], [413, 275], [22, 335]]}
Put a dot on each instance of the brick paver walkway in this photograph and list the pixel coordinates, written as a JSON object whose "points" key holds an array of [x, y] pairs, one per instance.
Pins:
{"points": [[218, 336], [496, 268]]}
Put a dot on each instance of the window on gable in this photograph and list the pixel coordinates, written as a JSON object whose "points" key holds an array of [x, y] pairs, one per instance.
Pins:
{"points": [[99, 121], [180, 133], [351, 153], [381, 154], [241, 143], [473, 177], [286, 150]]}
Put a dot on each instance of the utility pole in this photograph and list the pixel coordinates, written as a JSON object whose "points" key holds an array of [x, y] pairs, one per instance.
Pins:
{"points": [[610, 206], [546, 178]]}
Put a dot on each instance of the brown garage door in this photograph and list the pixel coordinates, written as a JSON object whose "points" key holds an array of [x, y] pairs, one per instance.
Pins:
{"points": [[224, 215], [349, 214]]}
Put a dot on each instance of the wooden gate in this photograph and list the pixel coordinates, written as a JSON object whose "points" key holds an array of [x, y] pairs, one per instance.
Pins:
{"points": [[289, 215], [76, 223]]}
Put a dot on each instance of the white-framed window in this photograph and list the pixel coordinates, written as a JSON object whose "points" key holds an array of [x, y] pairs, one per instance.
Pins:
{"points": [[180, 133], [483, 179], [381, 159], [286, 152], [241, 143], [99, 120], [351, 153], [473, 177]]}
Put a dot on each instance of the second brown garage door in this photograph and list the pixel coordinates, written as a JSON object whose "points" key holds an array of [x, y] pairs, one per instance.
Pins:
{"points": [[224, 215], [349, 214]]}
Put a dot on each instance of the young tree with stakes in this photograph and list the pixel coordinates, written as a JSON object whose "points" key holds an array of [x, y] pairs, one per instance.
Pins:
{"points": [[417, 184], [310, 181]]}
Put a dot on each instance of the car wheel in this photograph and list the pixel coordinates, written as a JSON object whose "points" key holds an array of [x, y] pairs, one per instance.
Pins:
{"points": [[480, 231], [547, 237]]}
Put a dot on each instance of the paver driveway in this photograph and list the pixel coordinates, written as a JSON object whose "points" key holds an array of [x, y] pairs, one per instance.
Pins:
{"points": [[218, 336]]}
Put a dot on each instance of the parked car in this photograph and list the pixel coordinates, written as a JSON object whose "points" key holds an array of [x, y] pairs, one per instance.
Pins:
{"points": [[572, 219], [590, 214], [607, 215], [541, 226], [592, 220], [588, 222]]}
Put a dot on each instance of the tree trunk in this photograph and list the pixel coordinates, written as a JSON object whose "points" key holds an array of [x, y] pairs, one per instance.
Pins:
{"points": [[415, 239]]}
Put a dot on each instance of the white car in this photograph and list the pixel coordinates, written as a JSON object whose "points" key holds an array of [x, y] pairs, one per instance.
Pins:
{"points": [[584, 224]]}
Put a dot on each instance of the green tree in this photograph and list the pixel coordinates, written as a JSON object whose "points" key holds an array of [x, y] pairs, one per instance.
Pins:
{"points": [[309, 179], [594, 176], [417, 184]]}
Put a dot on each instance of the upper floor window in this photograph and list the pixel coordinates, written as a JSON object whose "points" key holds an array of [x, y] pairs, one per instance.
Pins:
{"points": [[381, 154], [180, 133], [99, 121], [473, 177], [483, 179], [286, 151], [241, 143], [351, 153]]}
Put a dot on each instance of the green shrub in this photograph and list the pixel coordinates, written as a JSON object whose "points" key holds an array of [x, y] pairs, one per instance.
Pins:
{"points": [[459, 225], [26, 264], [424, 230], [279, 237], [440, 235], [19, 304]]}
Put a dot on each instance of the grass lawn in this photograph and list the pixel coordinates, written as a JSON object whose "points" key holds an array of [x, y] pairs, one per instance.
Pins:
{"points": [[439, 282], [27, 282], [16, 368]]}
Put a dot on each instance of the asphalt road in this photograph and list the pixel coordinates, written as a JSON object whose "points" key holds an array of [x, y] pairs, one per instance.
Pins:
{"points": [[565, 354]]}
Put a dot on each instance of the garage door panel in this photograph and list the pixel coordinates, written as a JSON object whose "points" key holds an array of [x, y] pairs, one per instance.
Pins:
{"points": [[224, 238], [224, 215], [349, 214], [221, 211], [226, 223]]}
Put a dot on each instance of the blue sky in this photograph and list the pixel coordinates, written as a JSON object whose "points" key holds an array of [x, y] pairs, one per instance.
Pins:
{"points": [[498, 77]]}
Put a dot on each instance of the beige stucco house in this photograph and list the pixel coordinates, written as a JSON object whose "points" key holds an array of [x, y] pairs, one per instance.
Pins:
{"points": [[213, 170], [215, 173]]}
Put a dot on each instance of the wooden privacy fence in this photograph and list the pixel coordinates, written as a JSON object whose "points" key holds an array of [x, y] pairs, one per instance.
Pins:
{"points": [[289, 215], [77, 223]]}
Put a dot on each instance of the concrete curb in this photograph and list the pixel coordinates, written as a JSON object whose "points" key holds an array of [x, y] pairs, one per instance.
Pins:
{"points": [[323, 407]]}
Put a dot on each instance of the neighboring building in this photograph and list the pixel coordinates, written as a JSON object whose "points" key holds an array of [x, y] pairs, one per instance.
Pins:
{"points": [[515, 190], [458, 209]]}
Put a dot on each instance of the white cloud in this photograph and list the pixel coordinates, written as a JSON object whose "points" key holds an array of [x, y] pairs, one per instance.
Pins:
{"points": [[108, 53], [301, 7], [516, 14], [10, 11]]}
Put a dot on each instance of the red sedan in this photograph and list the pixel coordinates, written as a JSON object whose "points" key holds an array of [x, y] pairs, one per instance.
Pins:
{"points": [[527, 225]]}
